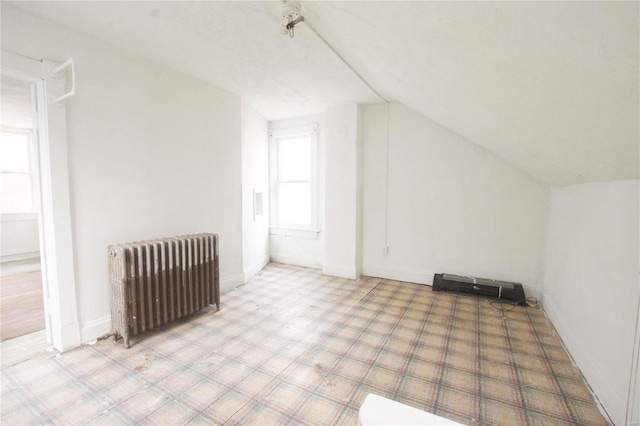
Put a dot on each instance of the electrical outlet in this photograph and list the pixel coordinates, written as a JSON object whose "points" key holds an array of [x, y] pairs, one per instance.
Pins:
{"points": [[385, 250]]}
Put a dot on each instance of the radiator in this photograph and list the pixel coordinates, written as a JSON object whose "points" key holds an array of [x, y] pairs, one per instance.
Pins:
{"points": [[158, 281]]}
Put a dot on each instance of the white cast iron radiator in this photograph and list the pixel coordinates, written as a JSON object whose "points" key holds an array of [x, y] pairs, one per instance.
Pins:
{"points": [[158, 281]]}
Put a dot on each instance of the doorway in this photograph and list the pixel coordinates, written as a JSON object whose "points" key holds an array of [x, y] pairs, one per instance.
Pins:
{"points": [[47, 176], [22, 309]]}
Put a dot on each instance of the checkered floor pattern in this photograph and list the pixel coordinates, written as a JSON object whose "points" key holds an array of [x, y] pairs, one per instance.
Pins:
{"points": [[295, 346]]}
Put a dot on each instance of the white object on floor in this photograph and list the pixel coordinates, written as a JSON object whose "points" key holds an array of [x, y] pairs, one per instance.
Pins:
{"points": [[377, 410]]}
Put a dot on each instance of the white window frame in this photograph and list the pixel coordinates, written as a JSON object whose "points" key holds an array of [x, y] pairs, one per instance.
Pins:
{"points": [[277, 227]]}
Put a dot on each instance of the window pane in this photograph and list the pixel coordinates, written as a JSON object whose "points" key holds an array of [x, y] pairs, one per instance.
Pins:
{"points": [[294, 156], [16, 193], [14, 152], [294, 203]]}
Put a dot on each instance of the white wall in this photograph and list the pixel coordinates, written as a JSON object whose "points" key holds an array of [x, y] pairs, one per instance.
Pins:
{"points": [[151, 152], [342, 152], [304, 251], [453, 207], [255, 179], [19, 236], [591, 287]]}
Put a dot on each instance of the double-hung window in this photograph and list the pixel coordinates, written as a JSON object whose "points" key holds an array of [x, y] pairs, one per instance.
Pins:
{"points": [[16, 177], [294, 180]]}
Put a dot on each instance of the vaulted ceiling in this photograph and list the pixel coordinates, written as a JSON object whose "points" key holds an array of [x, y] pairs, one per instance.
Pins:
{"points": [[551, 87]]}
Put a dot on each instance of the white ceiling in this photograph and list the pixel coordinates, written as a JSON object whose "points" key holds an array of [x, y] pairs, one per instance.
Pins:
{"points": [[552, 87]]}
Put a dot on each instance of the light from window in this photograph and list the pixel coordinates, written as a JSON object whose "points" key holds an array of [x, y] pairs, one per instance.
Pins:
{"points": [[294, 158], [15, 172], [294, 183], [293, 178]]}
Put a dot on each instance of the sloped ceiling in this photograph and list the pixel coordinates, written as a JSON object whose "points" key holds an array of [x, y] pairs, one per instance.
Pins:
{"points": [[551, 87]]}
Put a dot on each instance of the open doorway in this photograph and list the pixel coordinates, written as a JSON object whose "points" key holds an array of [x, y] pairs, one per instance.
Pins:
{"points": [[50, 197], [22, 309]]}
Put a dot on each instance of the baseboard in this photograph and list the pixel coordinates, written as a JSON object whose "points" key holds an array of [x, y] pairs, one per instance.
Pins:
{"points": [[68, 337], [533, 292], [93, 329], [342, 271], [406, 275], [20, 256], [98, 327], [230, 282], [425, 277], [251, 271], [608, 397], [305, 262]]}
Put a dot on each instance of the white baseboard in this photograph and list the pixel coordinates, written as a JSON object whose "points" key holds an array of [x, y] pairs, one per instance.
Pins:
{"points": [[426, 278], [406, 275], [251, 271], [98, 327], [95, 328], [67, 337], [343, 271], [612, 401], [230, 282], [533, 292], [19, 256], [305, 262]]}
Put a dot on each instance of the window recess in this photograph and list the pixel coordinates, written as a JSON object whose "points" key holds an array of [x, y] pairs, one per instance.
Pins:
{"points": [[294, 181]]}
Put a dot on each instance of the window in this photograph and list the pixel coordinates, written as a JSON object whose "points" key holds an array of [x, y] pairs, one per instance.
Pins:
{"points": [[16, 178], [293, 170]]}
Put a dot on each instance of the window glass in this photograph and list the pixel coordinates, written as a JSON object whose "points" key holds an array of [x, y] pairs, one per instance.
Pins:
{"points": [[16, 193], [294, 154], [14, 152], [294, 203], [15, 172]]}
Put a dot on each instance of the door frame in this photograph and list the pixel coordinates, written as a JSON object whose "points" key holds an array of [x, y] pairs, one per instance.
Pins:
{"points": [[54, 202]]}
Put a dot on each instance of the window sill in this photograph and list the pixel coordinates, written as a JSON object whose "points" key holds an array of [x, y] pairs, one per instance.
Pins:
{"points": [[308, 234]]}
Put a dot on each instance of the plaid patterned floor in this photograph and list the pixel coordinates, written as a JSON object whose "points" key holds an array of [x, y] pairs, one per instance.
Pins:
{"points": [[294, 346]]}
